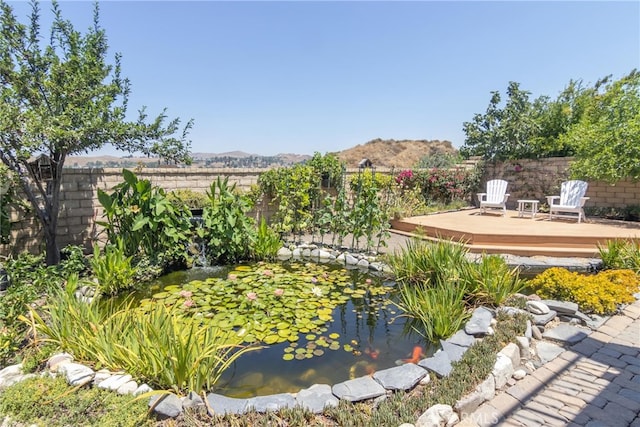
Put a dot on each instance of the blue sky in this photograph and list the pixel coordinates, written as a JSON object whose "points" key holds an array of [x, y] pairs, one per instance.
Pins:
{"points": [[299, 77]]}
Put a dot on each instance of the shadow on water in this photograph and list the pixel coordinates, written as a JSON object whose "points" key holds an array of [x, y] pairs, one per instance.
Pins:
{"points": [[367, 334]]}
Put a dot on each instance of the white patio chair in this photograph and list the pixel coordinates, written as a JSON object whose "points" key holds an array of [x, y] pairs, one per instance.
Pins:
{"points": [[495, 197], [570, 201]]}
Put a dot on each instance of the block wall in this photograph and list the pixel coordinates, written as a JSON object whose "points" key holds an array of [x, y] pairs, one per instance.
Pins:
{"points": [[536, 179], [79, 210]]}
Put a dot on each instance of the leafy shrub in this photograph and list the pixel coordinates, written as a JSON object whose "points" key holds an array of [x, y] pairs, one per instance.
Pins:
{"points": [[227, 230], [30, 278], [48, 401], [146, 220], [193, 199], [293, 190], [438, 160], [329, 168], [600, 293]]}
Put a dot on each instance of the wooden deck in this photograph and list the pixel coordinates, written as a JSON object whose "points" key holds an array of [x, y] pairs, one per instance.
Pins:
{"points": [[493, 233]]}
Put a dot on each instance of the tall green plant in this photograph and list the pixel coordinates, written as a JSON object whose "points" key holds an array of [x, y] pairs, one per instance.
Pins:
{"points": [[492, 281], [620, 254], [146, 220], [227, 230], [161, 347], [439, 311], [367, 217], [267, 243], [433, 262], [112, 268], [293, 191]]}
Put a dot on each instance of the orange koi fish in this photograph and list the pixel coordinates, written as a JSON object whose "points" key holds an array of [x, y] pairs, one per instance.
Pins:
{"points": [[416, 355]]}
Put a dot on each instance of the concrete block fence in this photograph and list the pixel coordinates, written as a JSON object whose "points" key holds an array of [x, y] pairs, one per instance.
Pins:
{"points": [[528, 179], [536, 179]]}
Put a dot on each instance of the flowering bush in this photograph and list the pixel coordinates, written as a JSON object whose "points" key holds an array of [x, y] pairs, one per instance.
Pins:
{"points": [[600, 293], [405, 179], [446, 185]]}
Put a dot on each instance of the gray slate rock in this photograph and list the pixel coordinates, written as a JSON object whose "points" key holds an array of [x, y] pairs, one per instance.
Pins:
{"points": [[596, 321], [462, 339], [439, 364], [561, 307], [566, 334], [403, 377], [316, 398], [548, 351], [192, 400], [358, 389], [166, 405], [479, 322], [455, 352], [273, 402], [220, 404], [543, 319]]}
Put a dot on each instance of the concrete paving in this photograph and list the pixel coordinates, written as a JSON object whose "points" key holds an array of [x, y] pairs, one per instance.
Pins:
{"points": [[593, 382]]}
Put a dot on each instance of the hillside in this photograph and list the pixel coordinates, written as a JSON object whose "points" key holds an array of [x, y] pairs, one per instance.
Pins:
{"points": [[383, 153], [392, 153]]}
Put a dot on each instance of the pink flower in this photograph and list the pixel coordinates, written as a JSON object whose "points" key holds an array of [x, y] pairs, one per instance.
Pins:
{"points": [[232, 276], [368, 281], [267, 273], [278, 292], [188, 303], [252, 296], [186, 294], [314, 280]]}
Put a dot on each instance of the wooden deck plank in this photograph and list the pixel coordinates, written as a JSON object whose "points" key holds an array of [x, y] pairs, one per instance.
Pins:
{"points": [[494, 233]]}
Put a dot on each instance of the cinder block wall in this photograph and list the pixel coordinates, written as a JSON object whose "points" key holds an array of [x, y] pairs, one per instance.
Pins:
{"points": [[80, 208], [528, 179], [536, 179]]}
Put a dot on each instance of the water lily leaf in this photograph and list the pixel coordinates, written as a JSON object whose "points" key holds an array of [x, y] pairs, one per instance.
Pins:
{"points": [[287, 357], [318, 352], [284, 333], [271, 339], [334, 335]]}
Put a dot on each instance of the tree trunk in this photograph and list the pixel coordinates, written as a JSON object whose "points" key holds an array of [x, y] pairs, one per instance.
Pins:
{"points": [[51, 245]]}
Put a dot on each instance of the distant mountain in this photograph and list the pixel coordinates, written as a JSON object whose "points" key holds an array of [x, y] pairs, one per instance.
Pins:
{"points": [[231, 159], [392, 153], [382, 153]]}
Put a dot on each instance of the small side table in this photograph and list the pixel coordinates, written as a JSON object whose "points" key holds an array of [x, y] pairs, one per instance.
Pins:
{"points": [[527, 207]]}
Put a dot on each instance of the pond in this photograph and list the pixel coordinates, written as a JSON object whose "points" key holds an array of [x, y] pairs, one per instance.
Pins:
{"points": [[316, 324]]}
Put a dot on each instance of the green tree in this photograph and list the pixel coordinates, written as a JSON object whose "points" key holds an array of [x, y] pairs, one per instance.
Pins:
{"points": [[607, 137], [62, 98], [502, 133]]}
